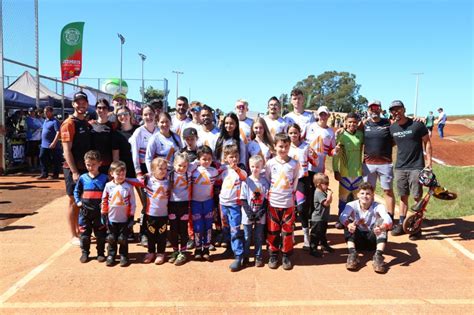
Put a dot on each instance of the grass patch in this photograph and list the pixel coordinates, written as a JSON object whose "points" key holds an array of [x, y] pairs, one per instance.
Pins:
{"points": [[465, 138]]}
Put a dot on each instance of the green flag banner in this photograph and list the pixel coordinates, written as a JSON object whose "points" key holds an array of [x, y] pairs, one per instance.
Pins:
{"points": [[71, 50]]}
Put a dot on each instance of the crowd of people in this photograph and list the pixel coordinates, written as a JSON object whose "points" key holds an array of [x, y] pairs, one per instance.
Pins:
{"points": [[200, 178]]}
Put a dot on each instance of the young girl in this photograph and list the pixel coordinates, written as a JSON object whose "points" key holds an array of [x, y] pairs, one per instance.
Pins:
{"points": [[163, 144], [202, 204], [299, 152], [320, 215], [179, 207], [232, 177], [262, 142], [229, 134], [118, 208]]}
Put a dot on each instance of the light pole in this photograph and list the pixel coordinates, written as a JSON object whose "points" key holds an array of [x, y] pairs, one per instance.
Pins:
{"points": [[122, 41], [177, 79], [416, 92], [143, 57]]}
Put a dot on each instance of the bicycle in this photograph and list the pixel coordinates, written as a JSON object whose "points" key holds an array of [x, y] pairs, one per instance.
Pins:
{"points": [[427, 178]]}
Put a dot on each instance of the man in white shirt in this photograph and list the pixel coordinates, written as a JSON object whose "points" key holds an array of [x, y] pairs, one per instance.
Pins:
{"points": [[208, 133], [181, 115], [441, 122], [275, 122], [245, 123], [299, 116]]}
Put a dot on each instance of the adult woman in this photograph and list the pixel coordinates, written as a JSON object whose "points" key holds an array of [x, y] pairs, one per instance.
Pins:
{"points": [[229, 134], [124, 132]]}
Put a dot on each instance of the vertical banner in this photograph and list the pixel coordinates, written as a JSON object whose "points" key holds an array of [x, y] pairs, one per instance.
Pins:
{"points": [[71, 50]]}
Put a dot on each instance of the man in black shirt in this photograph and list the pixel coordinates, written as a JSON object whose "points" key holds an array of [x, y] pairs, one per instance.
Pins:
{"points": [[410, 137]]}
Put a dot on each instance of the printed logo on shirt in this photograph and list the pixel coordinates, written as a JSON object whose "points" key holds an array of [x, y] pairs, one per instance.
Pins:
{"points": [[117, 199], [160, 193], [203, 179], [402, 134], [180, 182], [282, 182]]}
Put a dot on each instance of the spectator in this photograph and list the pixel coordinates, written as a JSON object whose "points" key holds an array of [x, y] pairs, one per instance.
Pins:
{"points": [[50, 151], [245, 123], [429, 122], [181, 116], [441, 122], [33, 138], [275, 122], [299, 115]]}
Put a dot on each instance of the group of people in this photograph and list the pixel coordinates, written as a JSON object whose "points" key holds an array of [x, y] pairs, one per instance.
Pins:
{"points": [[198, 183], [430, 121]]}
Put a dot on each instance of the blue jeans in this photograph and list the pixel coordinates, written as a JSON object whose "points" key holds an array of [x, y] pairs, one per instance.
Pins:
{"points": [[440, 130], [258, 233], [233, 216]]}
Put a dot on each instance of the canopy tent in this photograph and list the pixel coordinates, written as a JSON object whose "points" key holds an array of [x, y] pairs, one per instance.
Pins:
{"points": [[18, 100]]}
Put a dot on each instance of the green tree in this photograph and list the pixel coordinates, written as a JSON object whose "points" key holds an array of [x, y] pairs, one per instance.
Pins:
{"points": [[336, 90], [152, 93]]}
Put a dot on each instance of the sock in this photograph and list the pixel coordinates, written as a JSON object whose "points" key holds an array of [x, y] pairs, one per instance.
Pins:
{"points": [[391, 216], [402, 218], [378, 252], [352, 250]]}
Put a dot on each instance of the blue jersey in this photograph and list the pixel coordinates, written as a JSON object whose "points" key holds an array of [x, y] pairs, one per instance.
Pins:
{"points": [[89, 190]]}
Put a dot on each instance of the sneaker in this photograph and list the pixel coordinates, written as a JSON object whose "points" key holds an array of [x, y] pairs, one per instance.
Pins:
{"points": [[352, 261], [205, 254], [123, 261], [76, 241], [228, 253], [286, 263], [212, 248], [100, 258], [172, 257], [416, 236], [110, 261], [398, 230], [160, 259], [327, 249], [273, 262], [236, 264], [198, 254], [316, 253], [378, 263], [84, 258], [339, 226], [245, 262], [149, 258], [181, 259], [144, 241], [190, 244], [259, 262]]}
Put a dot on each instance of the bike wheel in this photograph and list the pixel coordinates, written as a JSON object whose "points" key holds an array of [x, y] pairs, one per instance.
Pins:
{"points": [[412, 223]]}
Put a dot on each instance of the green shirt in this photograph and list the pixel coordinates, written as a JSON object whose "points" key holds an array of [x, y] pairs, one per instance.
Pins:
{"points": [[348, 162]]}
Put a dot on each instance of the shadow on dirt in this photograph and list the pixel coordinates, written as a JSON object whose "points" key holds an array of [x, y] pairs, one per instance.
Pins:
{"points": [[457, 229], [16, 227]]}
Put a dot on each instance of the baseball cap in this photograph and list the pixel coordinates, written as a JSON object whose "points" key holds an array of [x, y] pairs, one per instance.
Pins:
{"points": [[119, 95], [375, 102], [189, 132], [396, 103], [80, 95], [323, 109], [31, 109]]}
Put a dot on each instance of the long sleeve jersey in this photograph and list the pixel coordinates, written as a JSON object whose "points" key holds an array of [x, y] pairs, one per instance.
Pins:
{"points": [[322, 142], [89, 190], [139, 141], [283, 178], [181, 186], [118, 202], [300, 154], [161, 146], [366, 220], [203, 180], [231, 184]]}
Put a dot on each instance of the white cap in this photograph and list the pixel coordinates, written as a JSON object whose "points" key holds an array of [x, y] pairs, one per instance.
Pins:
{"points": [[322, 109]]}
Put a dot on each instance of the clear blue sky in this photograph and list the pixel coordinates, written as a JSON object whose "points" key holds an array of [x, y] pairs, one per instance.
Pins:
{"points": [[257, 49]]}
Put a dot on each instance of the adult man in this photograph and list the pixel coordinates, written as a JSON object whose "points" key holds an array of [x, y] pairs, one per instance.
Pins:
{"points": [[366, 223], [208, 133], [245, 123], [299, 116], [75, 137], [441, 122], [195, 111], [181, 115], [378, 144], [50, 152], [410, 137], [157, 104], [33, 138], [275, 122]]}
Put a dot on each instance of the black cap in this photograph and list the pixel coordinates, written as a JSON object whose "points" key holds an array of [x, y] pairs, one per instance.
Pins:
{"points": [[396, 103], [80, 95], [190, 132]]}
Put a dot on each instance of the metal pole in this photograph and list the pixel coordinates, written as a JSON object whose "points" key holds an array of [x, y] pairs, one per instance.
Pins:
{"points": [[416, 91], [37, 55], [143, 57], [3, 141], [122, 41], [166, 91], [177, 81]]}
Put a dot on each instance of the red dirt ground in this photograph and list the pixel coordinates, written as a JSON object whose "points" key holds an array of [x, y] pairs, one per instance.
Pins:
{"points": [[450, 152]]}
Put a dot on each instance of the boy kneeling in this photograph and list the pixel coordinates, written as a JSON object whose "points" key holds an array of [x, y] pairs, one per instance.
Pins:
{"points": [[366, 223]]}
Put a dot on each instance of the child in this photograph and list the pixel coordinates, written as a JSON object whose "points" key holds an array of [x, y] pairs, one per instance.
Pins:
{"points": [[203, 179], [190, 136], [253, 197], [232, 177], [87, 194], [262, 142], [320, 215], [179, 207], [282, 172], [118, 209]]}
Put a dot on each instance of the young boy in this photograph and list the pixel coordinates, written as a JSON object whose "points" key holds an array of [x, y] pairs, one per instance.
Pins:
{"points": [[253, 197], [203, 179], [232, 177], [190, 136], [320, 216], [347, 164], [87, 195], [118, 209], [282, 172], [366, 223]]}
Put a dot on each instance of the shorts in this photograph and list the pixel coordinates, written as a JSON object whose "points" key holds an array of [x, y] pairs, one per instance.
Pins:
{"points": [[383, 171], [70, 183], [33, 148], [430, 128], [407, 183]]}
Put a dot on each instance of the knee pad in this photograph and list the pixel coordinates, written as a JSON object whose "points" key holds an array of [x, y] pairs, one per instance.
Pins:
{"points": [[111, 240], [122, 240], [85, 240]]}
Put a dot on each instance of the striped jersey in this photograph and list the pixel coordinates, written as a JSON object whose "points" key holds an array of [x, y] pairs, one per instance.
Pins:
{"points": [[164, 147], [300, 154], [322, 142], [180, 186], [118, 201], [283, 178], [157, 193], [231, 184], [89, 190], [139, 141], [203, 180]]}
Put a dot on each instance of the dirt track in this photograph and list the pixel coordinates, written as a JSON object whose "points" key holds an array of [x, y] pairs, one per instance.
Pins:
{"points": [[451, 152]]}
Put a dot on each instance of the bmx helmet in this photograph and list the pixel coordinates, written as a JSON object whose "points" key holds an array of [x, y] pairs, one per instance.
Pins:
{"points": [[427, 178]]}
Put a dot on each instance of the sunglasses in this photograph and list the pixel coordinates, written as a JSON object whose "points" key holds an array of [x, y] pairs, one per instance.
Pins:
{"points": [[240, 106], [196, 109]]}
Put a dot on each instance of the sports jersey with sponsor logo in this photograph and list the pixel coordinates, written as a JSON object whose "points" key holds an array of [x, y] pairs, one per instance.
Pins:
{"points": [[348, 162], [283, 178], [139, 141], [244, 126], [177, 125], [255, 191], [163, 147], [118, 201], [300, 154], [366, 220], [231, 184], [78, 132], [89, 190], [303, 120], [275, 125], [180, 186], [255, 147], [203, 180], [208, 138], [242, 151], [322, 142], [157, 193]]}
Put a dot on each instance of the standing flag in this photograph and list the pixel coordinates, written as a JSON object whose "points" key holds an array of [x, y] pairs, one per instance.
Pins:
{"points": [[71, 50]]}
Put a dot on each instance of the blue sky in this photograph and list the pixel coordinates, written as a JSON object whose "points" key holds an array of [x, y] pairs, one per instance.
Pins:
{"points": [[257, 49]]}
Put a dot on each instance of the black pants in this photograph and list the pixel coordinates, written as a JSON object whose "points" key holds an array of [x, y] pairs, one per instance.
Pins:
{"points": [[89, 220], [117, 235], [318, 234], [303, 209], [178, 215], [156, 228], [50, 158], [364, 240]]}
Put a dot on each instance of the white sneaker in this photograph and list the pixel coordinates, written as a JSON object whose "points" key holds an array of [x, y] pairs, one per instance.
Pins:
{"points": [[76, 241]]}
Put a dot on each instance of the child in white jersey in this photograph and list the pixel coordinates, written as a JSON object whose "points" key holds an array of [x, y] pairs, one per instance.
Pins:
{"points": [[282, 172], [232, 177], [202, 204], [179, 207], [118, 209], [262, 142], [253, 197]]}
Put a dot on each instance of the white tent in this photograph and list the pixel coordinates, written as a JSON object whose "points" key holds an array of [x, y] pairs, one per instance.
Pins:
{"points": [[26, 84]]}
